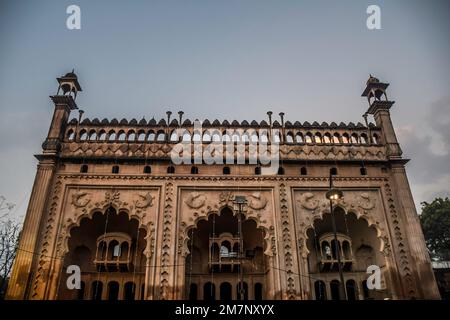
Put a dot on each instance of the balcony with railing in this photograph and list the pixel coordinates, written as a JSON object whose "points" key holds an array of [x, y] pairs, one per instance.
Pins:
{"points": [[328, 260], [113, 252], [224, 253]]}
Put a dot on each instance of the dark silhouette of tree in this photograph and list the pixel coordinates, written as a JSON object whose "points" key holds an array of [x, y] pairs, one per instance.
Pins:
{"points": [[435, 220], [9, 242]]}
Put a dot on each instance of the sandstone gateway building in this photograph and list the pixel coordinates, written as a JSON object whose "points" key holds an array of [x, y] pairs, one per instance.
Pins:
{"points": [[108, 198]]}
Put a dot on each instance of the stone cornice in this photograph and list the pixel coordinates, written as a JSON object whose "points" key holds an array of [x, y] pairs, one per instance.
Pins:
{"points": [[64, 101], [213, 178]]}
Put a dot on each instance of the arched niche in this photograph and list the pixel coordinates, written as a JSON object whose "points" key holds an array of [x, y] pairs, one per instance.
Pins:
{"points": [[106, 244], [218, 246]]}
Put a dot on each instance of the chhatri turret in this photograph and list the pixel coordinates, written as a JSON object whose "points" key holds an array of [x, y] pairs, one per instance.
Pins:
{"points": [[379, 106], [64, 101]]}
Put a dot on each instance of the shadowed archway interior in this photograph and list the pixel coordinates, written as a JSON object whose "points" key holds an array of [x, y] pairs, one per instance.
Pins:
{"points": [[108, 248], [358, 246], [216, 260]]}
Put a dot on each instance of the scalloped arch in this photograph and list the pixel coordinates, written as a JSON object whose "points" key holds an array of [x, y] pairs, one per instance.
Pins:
{"points": [[218, 210], [359, 215], [71, 224]]}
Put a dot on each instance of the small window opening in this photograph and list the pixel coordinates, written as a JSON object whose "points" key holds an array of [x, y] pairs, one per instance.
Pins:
{"points": [[170, 169]]}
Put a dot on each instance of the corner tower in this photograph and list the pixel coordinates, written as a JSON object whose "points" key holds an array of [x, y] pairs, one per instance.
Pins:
{"points": [[424, 286], [27, 257]]}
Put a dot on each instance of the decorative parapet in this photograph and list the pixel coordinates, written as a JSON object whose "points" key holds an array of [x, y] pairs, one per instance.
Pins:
{"points": [[97, 139]]}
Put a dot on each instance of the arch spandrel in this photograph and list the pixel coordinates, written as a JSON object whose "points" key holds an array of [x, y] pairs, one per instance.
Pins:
{"points": [[199, 204]]}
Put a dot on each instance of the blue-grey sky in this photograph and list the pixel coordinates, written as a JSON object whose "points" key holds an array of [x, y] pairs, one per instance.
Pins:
{"points": [[227, 59]]}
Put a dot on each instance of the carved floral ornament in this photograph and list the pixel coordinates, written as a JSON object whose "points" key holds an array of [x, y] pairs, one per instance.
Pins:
{"points": [[361, 204], [205, 203], [195, 200], [311, 202], [83, 200], [255, 201]]}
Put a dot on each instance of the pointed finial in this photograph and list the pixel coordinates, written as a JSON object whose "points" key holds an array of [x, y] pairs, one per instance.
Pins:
{"points": [[180, 113], [365, 119], [80, 115], [282, 118], [269, 113]]}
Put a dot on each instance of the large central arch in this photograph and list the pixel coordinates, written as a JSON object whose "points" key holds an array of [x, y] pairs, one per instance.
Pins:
{"points": [[216, 266]]}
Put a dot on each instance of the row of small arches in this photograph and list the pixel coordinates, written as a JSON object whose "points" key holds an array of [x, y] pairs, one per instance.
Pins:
{"points": [[209, 291], [225, 292], [225, 170], [215, 123], [113, 250], [351, 289], [226, 136], [96, 291], [328, 251]]}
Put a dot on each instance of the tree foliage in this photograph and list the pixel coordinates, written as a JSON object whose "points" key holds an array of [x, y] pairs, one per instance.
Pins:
{"points": [[435, 220], [9, 240]]}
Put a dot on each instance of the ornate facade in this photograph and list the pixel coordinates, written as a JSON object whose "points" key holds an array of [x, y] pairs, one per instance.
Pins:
{"points": [[108, 199]]}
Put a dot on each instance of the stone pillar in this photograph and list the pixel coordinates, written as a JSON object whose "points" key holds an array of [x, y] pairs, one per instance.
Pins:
{"points": [[56, 280], [291, 287], [165, 242], [148, 280], [419, 253], [393, 284], [304, 279], [121, 290], [327, 289], [22, 272]]}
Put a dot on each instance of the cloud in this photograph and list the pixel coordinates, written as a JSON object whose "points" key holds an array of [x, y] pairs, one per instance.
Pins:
{"points": [[428, 145], [439, 121]]}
